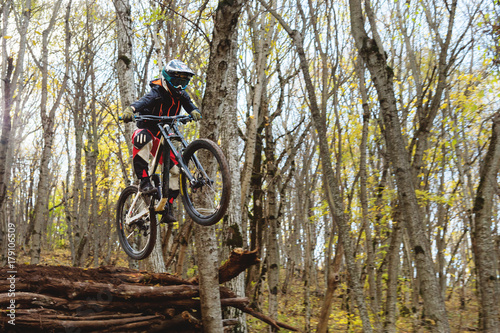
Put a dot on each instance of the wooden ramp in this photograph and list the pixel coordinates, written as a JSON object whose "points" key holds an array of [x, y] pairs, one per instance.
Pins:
{"points": [[113, 299]]}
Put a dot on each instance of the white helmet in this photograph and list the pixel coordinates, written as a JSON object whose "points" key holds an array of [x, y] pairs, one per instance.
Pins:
{"points": [[177, 74]]}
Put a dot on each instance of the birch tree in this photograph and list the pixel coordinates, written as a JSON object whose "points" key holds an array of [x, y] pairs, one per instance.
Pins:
{"points": [[331, 186], [11, 74], [124, 63], [371, 51], [486, 256], [47, 114], [218, 100]]}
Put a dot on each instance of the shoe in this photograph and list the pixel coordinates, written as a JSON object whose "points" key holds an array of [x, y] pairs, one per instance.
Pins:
{"points": [[168, 217], [146, 187]]}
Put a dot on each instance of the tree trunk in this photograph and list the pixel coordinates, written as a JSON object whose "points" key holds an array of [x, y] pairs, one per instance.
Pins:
{"points": [[369, 244], [483, 244], [442, 226], [330, 184], [333, 280], [41, 208], [308, 261], [233, 235], [93, 145], [208, 260], [75, 218], [252, 176], [219, 98], [272, 213], [256, 224], [374, 57], [10, 76], [4, 147], [391, 311], [125, 74], [261, 43], [124, 63]]}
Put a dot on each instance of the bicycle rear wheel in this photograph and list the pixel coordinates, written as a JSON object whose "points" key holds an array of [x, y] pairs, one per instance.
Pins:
{"points": [[207, 198], [135, 224]]}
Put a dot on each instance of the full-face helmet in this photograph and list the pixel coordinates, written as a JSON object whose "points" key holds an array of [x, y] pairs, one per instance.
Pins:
{"points": [[177, 74]]}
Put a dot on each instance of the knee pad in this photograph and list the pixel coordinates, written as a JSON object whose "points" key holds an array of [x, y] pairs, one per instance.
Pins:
{"points": [[143, 142], [141, 139]]}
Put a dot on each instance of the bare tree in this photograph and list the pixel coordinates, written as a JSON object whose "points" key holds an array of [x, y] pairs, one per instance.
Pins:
{"points": [[374, 57], [482, 241], [10, 84], [47, 115], [263, 32], [218, 99], [124, 63], [330, 184]]}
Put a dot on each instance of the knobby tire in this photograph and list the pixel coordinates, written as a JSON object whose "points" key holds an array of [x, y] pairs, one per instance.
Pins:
{"points": [[219, 192], [124, 202]]}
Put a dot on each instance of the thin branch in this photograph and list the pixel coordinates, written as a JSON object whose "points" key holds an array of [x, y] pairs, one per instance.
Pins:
{"points": [[194, 24]]}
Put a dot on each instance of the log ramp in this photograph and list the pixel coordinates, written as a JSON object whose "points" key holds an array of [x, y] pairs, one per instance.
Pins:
{"points": [[115, 299]]}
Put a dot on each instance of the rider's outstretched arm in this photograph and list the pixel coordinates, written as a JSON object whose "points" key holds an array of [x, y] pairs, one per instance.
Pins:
{"points": [[145, 104]]}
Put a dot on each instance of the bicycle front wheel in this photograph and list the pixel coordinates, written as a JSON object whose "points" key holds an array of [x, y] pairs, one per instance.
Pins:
{"points": [[135, 224], [207, 197]]}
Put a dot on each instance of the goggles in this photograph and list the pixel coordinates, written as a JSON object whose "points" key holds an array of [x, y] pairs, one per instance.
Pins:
{"points": [[179, 82]]}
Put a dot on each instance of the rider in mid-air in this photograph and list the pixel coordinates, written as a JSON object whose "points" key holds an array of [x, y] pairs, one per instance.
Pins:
{"points": [[166, 97]]}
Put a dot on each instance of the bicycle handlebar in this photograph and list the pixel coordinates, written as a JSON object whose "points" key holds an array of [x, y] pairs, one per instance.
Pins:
{"points": [[165, 119]]}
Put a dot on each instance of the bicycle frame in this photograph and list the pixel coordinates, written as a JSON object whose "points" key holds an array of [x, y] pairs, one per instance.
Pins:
{"points": [[170, 132]]}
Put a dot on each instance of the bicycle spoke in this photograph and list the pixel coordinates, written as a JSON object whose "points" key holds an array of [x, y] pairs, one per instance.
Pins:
{"points": [[206, 198], [136, 217], [135, 225]]}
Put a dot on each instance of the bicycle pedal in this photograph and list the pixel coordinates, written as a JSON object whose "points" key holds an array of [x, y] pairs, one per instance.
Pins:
{"points": [[168, 218], [161, 205]]}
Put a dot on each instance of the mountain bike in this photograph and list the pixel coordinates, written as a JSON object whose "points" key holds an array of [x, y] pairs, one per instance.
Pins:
{"points": [[205, 187]]}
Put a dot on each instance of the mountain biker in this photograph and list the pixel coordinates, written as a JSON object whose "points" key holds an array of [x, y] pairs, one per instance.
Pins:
{"points": [[166, 97]]}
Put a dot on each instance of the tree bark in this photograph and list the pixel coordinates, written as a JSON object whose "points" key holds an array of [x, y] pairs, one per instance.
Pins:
{"points": [[10, 78], [233, 232], [374, 58], [308, 260], [363, 198], [124, 63], [41, 208], [207, 254], [272, 213], [112, 298], [483, 244], [261, 43], [330, 183], [4, 147], [391, 311], [333, 279], [219, 98], [256, 221]]}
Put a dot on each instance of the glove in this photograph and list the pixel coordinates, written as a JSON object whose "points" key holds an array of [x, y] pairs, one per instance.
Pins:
{"points": [[196, 115], [128, 114]]}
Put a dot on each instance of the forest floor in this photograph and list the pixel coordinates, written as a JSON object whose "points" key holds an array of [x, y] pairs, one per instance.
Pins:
{"points": [[292, 307]]}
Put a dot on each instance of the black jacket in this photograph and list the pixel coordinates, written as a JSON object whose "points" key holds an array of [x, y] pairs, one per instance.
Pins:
{"points": [[161, 102]]}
